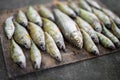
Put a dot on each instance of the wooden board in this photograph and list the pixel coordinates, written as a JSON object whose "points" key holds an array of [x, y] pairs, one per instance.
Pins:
{"points": [[71, 56]]}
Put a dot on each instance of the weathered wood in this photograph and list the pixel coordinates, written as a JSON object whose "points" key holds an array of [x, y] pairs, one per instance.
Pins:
{"points": [[71, 56]]}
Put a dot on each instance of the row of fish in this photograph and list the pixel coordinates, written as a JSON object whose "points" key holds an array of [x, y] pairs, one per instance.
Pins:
{"points": [[87, 25]]}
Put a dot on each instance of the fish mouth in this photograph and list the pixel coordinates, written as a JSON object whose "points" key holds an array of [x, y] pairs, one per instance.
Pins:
{"points": [[21, 64], [61, 46], [108, 26], [35, 65], [42, 47], [27, 46], [58, 58], [24, 24], [95, 53], [112, 47], [39, 24], [96, 40], [118, 25], [117, 44]]}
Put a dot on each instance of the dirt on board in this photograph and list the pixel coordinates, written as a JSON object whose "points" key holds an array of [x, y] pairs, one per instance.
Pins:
{"points": [[71, 56]]}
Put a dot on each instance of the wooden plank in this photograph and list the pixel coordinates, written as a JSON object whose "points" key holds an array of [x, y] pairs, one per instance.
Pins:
{"points": [[71, 56]]}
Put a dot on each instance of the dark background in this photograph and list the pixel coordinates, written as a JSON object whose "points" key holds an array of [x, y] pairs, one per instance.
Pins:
{"points": [[102, 68]]}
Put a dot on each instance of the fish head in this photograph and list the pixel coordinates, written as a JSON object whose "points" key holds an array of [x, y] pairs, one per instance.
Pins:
{"points": [[36, 64], [9, 35], [27, 44], [61, 45], [42, 46], [21, 62], [56, 54], [76, 39]]}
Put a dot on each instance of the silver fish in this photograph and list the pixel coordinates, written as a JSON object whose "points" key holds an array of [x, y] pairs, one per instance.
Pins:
{"points": [[51, 47], [46, 13], [35, 56], [83, 4], [89, 44], [21, 18], [82, 24], [34, 16], [91, 19], [115, 29], [9, 27], [37, 35], [112, 15], [103, 17], [113, 38], [106, 42], [52, 29], [73, 6], [94, 4], [17, 54], [66, 9], [21, 35], [68, 28]]}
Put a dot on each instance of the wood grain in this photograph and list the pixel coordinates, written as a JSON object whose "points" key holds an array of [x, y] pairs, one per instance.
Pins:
{"points": [[71, 56]]}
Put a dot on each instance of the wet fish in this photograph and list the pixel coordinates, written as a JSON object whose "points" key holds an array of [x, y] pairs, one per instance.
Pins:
{"points": [[107, 43], [37, 35], [17, 54], [83, 4], [68, 28], [66, 9], [21, 18], [112, 16], [35, 56], [21, 35], [94, 4], [89, 44], [103, 17], [52, 29], [34, 16], [46, 13], [73, 6], [113, 38], [115, 29], [82, 24], [9, 27], [51, 47], [91, 19]]}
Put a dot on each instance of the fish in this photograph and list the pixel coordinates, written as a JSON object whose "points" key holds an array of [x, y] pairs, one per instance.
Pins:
{"points": [[33, 16], [82, 24], [68, 28], [17, 54], [102, 17], [110, 35], [74, 7], [37, 35], [115, 30], [52, 29], [9, 27], [51, 47], [66, 9], [35, 56], [89, 44], [91, 19], [112, 15], [46, 13], [21, 36], [21, 18], [106, 42], [83, 4], [94, 4]]}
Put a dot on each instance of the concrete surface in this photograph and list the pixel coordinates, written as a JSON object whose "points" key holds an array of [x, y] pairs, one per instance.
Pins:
{"points": [[102, 68]]}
